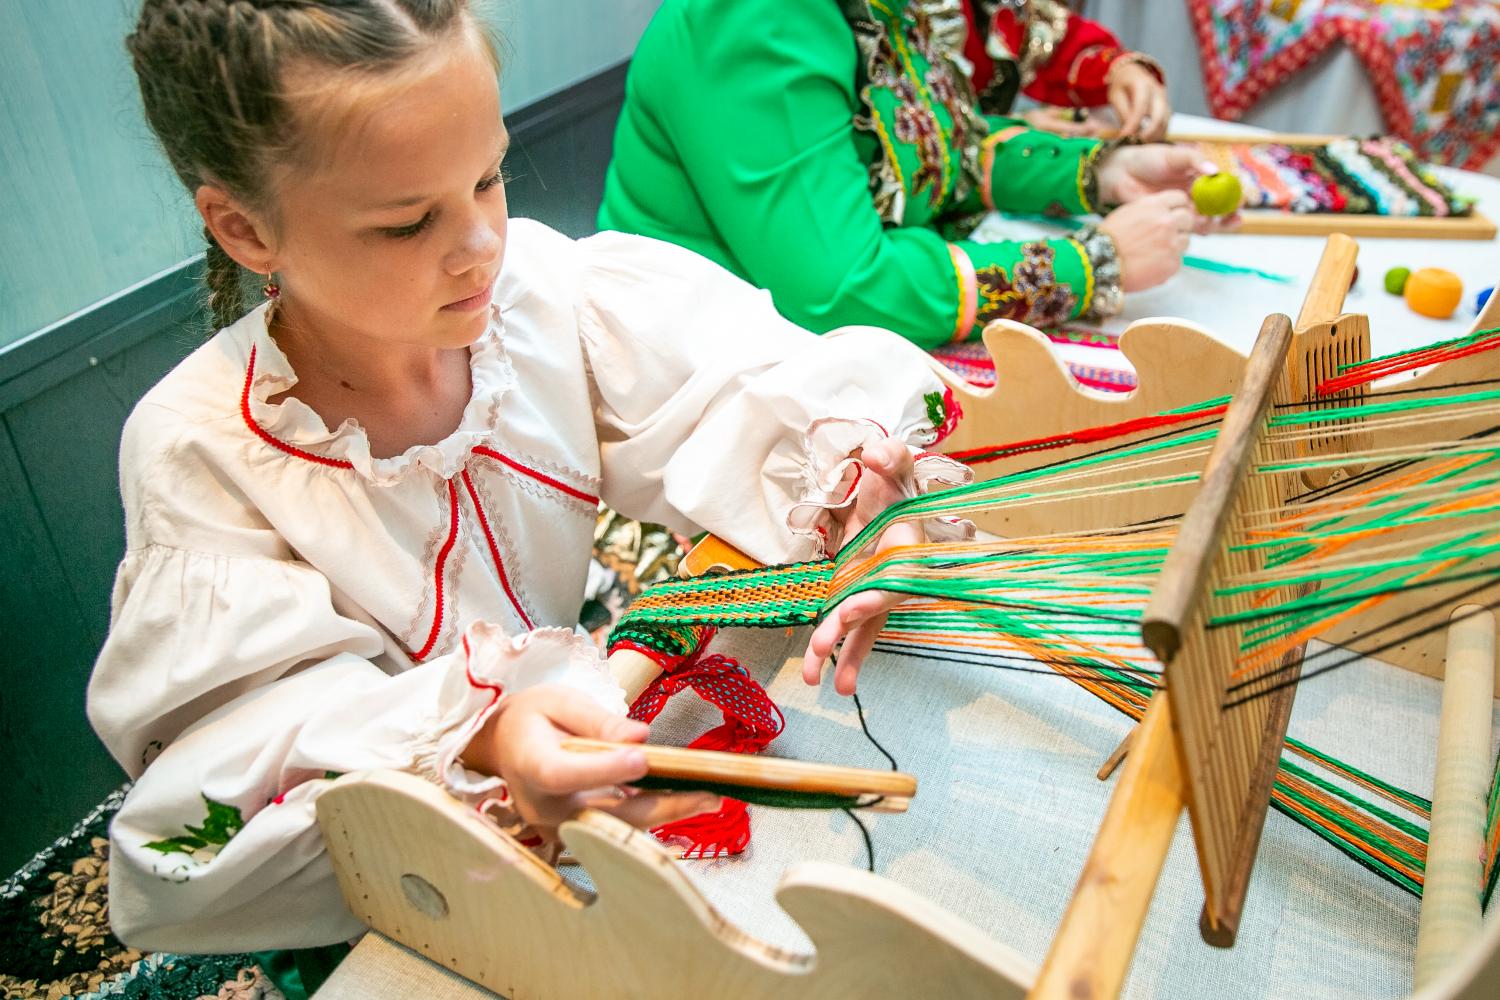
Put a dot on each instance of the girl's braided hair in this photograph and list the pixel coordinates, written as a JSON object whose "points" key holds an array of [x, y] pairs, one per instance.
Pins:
{"points": [[211, 74]]}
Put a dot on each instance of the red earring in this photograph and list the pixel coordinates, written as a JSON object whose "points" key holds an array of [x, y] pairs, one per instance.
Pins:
{"points": [[271, 289]]}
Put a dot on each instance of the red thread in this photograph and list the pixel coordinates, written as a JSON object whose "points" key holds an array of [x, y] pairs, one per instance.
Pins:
{"points": [[976, 456], [484, 523], [538, 476], [1421, 358], [495, 689], [269, 438], [442, 557], [859, 473], [751, 720]]}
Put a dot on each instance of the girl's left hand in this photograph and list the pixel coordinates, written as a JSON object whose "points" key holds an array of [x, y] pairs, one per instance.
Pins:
{"points": [[858, 620], [1140, 99]]}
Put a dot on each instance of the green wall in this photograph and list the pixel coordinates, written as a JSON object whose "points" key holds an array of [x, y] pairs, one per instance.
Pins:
{"points": [[90, 206]]}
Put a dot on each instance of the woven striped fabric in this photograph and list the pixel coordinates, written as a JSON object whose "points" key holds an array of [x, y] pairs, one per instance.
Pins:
{"points": [[1092, 356]]}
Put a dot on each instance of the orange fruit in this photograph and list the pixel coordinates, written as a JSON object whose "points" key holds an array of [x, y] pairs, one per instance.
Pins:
{"points": [[1433, 291]]}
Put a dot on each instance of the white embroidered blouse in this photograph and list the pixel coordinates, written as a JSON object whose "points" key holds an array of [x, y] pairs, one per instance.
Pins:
{"points": [[291, 607]]}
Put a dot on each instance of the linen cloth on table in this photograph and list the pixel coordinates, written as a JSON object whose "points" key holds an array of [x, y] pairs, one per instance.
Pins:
{"points": [[1009, 803]]}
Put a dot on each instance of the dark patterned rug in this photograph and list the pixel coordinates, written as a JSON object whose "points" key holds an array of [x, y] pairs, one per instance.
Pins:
{"points": [[57, 943]]}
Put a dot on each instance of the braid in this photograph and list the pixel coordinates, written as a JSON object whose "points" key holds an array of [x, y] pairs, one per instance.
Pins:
{"points": [[226, 284], [210, 75]]}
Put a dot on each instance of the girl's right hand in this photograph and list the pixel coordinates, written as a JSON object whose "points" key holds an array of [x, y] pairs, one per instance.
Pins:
{"points": [[522, 741], [1151, 236]]}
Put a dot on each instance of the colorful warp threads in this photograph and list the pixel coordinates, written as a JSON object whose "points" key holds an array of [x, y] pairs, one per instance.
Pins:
{"points": [[1365, 372], [1207, 410], [1071, 603], [1492, 839]]}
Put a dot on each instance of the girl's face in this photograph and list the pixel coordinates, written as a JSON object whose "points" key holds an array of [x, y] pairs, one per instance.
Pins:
{"points": [[398, 233]]}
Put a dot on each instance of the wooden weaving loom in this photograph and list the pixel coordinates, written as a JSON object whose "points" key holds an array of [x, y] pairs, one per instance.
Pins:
{"points": [[429, 873]]}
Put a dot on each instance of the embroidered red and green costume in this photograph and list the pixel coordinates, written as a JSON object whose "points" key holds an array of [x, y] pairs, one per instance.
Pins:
{"points": [[1041, 49], [835, 153]]}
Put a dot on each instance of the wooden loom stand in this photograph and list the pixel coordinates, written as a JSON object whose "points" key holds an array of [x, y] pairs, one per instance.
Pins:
{"points": [[1035, 396], [1092, 950], [1267, 222]]}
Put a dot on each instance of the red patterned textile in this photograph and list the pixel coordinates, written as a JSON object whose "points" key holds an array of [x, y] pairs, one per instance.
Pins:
{"points": [[1431, 64]]}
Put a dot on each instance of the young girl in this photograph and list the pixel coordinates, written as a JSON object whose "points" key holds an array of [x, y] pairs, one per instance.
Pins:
{"points": [[359, 517]]}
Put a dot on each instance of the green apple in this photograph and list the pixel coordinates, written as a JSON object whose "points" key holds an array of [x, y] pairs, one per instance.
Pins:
{"points": [[1217, 194]]}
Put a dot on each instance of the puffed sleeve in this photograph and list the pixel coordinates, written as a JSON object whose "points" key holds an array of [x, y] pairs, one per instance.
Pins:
{"points": [[716, 413], [234, 691]]}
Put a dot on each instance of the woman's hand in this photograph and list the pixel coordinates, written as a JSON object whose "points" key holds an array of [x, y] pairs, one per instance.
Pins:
{"points": [[1071, 122], [522, 744], [1151, 236], [1140, 99], [858, 620], [1156, 215], [1133, 172]]}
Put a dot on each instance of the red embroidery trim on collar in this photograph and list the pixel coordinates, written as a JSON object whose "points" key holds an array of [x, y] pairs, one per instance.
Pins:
{"points": [[270, 438], [489, 536]]}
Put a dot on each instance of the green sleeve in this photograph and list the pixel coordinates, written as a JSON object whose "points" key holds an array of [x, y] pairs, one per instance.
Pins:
{"points": [[1032, 171], [1044, 283], [757, 101]]}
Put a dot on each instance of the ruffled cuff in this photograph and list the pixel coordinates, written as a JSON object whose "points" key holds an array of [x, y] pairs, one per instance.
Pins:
{"points": [[833, 476], [494, 666], [1106, 296]]}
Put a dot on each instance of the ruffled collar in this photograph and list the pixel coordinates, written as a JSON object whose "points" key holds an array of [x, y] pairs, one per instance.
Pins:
{"points": [[294, 424]]}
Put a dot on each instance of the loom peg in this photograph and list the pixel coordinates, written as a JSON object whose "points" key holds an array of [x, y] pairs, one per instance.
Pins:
{"points": [[1451, 917], [633, 671], [1117, 755]]}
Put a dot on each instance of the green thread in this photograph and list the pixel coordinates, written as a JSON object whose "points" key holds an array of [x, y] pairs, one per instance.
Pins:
{"points": [[775, 798]]}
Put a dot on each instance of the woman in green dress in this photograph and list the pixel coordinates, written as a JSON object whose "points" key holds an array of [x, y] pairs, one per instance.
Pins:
{"points": [[833, 152]]}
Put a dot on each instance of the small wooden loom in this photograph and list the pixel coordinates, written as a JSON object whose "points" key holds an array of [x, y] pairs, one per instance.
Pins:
{"points": [[425, 871], [1270, 222]]}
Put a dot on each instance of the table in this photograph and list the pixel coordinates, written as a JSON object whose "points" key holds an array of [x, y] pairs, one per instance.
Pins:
{"points": [[1007, 811]]}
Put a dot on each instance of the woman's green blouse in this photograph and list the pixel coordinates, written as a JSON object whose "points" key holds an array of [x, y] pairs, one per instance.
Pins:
{"points": [[830, 152]]}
